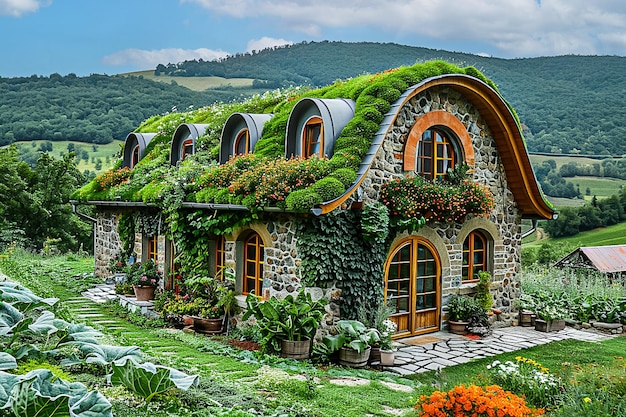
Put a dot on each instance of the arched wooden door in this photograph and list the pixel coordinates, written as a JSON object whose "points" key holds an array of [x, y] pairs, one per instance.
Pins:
{"points": [[413, 285]]}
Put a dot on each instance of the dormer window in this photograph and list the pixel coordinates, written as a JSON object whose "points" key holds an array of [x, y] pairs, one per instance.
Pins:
{"points": [[435, 154], [187, 149], [242, 142], [134, 160], [313, 137]]}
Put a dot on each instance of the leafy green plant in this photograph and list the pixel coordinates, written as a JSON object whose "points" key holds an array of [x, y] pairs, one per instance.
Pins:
{"points": [[148, 379], [463, 307], [292, 318], [483, 293], [40, 393], [351, 334]]}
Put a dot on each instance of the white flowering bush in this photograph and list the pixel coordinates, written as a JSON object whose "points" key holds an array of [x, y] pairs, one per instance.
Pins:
{"points": [[529, 378]]}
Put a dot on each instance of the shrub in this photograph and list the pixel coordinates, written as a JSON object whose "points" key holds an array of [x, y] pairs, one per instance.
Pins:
{"points": [[303, 200], [328, 188], [345, 175]]}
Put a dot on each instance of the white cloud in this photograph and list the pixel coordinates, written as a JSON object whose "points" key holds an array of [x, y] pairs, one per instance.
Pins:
{"points": [[16, 8], [516, 28], [142, 59], [265, 42]]}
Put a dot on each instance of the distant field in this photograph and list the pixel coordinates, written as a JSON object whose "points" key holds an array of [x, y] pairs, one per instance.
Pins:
{"points": [[599, 186], [195, 83], [110, 150], [604, 236]]}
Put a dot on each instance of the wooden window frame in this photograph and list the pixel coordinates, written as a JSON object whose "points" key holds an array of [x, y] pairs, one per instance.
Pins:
{"points": [[469, 273], [134, 156], [308, 143], [220, 254], [187, 144], [243, 135], [152, 250], [430, 138], [259, 250]]}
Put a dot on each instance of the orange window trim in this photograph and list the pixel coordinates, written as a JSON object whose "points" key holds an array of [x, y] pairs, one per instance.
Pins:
{"points": [[242, 136], [186, 149], [134, 158], [432, 119], [309, 140], [153, 248], [220, 253]]}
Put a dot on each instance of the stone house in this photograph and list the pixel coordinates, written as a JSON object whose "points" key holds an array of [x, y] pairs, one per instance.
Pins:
{"points": [[426, 130]]}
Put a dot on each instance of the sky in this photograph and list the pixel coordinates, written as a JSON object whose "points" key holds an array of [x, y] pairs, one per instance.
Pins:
{"points": [[84, 37]]}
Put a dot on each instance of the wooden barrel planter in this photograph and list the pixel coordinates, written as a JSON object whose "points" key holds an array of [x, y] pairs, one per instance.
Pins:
{"points": [[526, 318], [295, 349], [352, 358], [208, 326], [144, 293]]}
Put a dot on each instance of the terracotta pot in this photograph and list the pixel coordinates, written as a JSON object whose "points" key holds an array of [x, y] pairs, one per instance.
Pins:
{"points": [[210, 326], [457, 327], [352, 358], [387, 357], [295, 349], [144, 293]]}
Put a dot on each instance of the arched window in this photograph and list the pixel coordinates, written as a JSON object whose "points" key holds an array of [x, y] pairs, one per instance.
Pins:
{"points": [[412, 286], [474, 256], [435, 154], [242, 142], [134, 159], [186, 149], [313, 138], [253, 264]]}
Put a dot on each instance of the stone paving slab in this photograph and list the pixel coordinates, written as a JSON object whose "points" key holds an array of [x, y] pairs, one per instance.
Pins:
{"points": [[452, 349]]}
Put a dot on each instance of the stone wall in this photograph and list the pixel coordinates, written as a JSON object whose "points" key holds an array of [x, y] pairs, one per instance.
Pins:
{"points": [[107, 241], [503, 224]]}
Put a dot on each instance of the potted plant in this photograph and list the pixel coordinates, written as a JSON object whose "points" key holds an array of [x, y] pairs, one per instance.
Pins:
{"points": [[380, 320], [144, 277], [550, 316], [526, 306], [461, 308], [353, 341], [287, 325]]}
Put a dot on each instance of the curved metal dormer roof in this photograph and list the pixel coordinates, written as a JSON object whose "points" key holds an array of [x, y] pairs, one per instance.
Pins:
{"points": [[134, 140], [234, 125], [335, 114], [504, 129], [183, 133]]}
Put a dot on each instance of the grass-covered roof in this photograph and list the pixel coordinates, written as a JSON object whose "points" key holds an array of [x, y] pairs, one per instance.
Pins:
{"points": [[265, 178]]}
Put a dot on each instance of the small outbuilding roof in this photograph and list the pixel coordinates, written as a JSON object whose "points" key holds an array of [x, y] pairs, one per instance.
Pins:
{"points": [[606, 259]]}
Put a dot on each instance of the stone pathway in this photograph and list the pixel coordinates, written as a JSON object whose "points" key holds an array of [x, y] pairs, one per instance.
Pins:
{"points": [[438, 350]]}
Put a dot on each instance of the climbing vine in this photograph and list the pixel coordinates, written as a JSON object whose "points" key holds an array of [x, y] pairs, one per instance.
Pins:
{"points": [[126, 232], [335, 252]]}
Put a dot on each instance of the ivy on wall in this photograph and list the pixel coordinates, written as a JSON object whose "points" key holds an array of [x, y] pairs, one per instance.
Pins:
{"points": [[126, 232], [334, 251]]}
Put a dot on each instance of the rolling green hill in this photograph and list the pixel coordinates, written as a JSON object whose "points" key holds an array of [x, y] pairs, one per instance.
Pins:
{"points": [[568, 104]]}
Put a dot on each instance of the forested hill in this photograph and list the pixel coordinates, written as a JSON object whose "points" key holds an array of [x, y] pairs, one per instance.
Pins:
{"points": [[569, 104], [94, 109]]}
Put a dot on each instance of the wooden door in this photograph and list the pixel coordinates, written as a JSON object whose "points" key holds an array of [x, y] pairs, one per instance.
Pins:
{"points": [[412, 287]]}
